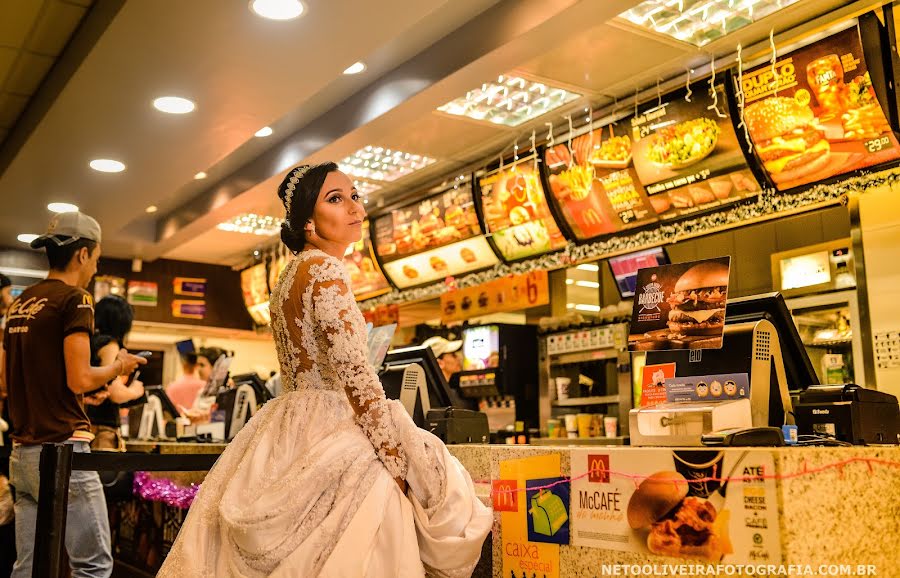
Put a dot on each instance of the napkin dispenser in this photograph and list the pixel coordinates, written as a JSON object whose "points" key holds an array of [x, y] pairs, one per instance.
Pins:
{"points": [[684, 423]]}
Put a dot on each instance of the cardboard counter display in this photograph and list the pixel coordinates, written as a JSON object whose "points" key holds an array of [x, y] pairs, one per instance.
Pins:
{"points": [[827, 505]]}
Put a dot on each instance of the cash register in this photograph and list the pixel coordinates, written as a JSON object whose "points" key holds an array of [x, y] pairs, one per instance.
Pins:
{"points": [[761, 341], [849, 413]]}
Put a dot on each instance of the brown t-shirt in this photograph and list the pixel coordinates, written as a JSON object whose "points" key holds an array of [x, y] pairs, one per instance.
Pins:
{"points": [[42, 408]]}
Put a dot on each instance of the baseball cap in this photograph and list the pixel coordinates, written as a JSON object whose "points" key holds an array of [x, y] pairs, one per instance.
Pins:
{"points": [[440, 346], [65, 228], [4, 281]]}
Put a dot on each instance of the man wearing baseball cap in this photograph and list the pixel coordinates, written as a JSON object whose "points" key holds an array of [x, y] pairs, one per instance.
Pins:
{"points": [[446, 353], [47, 367]]}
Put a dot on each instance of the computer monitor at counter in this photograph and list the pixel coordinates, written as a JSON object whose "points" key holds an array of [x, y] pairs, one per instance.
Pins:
{"points": [[440, 394]]}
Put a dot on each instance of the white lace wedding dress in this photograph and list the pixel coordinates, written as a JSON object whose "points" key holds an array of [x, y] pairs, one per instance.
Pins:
{"points": [[307, 487]]}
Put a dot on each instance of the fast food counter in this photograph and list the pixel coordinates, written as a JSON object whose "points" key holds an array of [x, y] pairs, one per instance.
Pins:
{"points": [[825, 507]]}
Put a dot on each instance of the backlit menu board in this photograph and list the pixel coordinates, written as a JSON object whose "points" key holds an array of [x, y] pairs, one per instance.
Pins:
{"points": [[437, 264], [439, 220], [256, 293], [516, 211], [687, 155], [433, 239], [816, 115], [366, 279], [594, 181]]}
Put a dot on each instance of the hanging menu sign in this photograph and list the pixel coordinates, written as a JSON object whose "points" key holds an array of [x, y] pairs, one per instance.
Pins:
{"points": [[435, 222], [814, 115], [595, 183], [366, 278], [688, 156], [517, 213], [256, 293]]}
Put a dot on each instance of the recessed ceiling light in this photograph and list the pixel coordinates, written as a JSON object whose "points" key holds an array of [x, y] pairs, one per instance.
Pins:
{"points": [[152, 209], [383, 164], [509, 101], [62, 207], [252, 223], [200, 176], [27, 237], [264, 131], [173, 105], [355, 68], [699, 22], [107, 166], [277, 9]]}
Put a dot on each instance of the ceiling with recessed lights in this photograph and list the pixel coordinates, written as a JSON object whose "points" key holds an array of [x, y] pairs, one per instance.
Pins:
{"points": [[177, 99]]}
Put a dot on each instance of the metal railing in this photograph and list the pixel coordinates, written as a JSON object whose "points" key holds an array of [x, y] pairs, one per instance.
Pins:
{"points": [[56, 465]]}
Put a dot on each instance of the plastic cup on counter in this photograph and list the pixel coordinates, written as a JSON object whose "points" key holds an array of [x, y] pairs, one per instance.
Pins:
{"points": [[562, 387], [611, 426], [584, 425], [596, 425], [553, 428], [571, 425]]}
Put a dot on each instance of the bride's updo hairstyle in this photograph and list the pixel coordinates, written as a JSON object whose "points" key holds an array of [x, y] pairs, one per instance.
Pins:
{"points": [[299, 192]]}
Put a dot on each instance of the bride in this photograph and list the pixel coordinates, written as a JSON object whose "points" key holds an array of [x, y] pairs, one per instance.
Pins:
{"points": [[330, 478]]}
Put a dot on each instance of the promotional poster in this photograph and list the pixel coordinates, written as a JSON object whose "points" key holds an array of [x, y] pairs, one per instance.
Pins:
{"points": [[710, 505], [680, 306], [510, 293], [816, 114], [533, 522], [594, 181], [688, 156]]}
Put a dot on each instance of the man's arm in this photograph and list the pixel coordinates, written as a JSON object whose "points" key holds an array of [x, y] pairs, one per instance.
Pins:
{"points": [[81, 377]]}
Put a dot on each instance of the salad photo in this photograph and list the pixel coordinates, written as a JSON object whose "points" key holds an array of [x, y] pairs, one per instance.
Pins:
{"points": [[683, 144]]}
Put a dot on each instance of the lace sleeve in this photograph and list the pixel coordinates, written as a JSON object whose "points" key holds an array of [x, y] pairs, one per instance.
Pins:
{"points": [[339, 318]]}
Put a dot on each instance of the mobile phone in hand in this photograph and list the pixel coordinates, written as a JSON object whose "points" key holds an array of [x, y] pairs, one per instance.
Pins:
{"points": [[136, 372]]}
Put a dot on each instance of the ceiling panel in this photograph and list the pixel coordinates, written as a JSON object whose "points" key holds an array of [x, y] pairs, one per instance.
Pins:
{"points": [[18, 19], [442, 137], [600, 57], [28, 72], [54, 27]]}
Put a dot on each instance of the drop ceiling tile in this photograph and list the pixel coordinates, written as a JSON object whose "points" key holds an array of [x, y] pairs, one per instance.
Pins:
{"points": [[55, 27], [441, 136], [7, 60], [28, 73], [600, 57], [11, 106], [18, 20]]}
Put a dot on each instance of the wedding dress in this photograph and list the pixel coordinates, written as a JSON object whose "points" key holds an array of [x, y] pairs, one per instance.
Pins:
{"points": [[307, 487]]}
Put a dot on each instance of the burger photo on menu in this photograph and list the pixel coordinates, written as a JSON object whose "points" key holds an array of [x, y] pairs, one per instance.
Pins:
{"points": [[687, 153], [817, 115], [680, 306], [517, 213], [595, 184], [676, 524]]}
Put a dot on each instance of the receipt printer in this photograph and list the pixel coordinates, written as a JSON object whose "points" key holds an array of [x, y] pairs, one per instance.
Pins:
{"points": [[849, 413], [458, 426]]}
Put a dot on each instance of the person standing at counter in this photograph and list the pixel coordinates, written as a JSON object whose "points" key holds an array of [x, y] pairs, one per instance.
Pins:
{"points": [[47, 363], [330, 478], [183, 391], [113, 317], [447, 354]]}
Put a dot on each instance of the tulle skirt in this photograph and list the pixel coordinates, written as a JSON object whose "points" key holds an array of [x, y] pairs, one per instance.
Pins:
{"points": [[301, 492]]}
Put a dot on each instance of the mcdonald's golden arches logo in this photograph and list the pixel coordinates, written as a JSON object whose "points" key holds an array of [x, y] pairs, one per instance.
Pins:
{"points": [[505, 495], [598, 468]]}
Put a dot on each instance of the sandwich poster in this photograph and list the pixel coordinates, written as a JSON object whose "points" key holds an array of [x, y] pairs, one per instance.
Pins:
{"points": [[688, 156], [680, 306], [593, 180], [816, 115], [534, 519], [707, 505]]}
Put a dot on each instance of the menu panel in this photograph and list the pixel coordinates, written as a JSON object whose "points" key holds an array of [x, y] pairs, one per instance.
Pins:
{"points": [[434, 222], [460, 257], [256, 293], [815, 115], [517, 213], [687, 154], [366, 278], [596, 185]]}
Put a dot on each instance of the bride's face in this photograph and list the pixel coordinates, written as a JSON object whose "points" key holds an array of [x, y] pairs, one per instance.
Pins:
{"points": [[339, 213]]}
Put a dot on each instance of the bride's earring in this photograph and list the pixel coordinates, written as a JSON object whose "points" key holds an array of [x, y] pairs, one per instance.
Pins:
{"points": [[311, 229]]}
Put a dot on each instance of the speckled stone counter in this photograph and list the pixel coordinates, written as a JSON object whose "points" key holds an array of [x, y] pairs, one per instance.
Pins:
{"points": [[849, 515]]}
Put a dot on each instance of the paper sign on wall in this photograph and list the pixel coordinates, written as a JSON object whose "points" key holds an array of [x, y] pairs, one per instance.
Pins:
{"points": [[189, 286], [143, 293], [188, 309]]}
